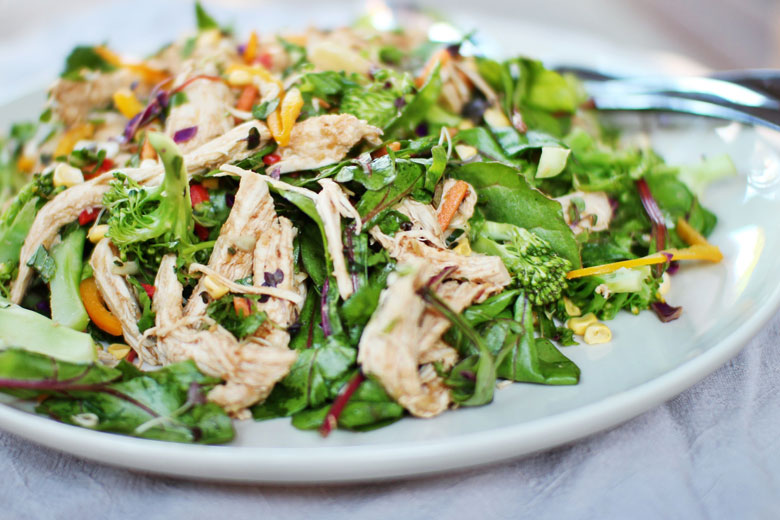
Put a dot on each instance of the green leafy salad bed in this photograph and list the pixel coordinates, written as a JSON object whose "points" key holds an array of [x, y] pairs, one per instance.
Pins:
{"points": [[344, 227]]}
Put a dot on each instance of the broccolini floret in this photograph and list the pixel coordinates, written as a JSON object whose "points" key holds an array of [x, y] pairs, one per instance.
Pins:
{"points": [[149, 222], [536, 267]]}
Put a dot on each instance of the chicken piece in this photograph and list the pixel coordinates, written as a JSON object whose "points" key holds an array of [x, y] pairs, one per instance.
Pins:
{"points": [[120, 300], [274, 265], [389, 346], [249, 369], [229, 147], [595, 215], [331, 205], [233, 254], [405, 246], [322, 140], [75, 99], [211, 50], [61, 210], [439, 352], [66, 206], [465, 210], [206, 109]]}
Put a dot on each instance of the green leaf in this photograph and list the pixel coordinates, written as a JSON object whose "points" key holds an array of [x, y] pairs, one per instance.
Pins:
{"points": [[84, 57], [369, 407], [204, 19], [505, 196], [415, 110], [223, 312], [67, 308], [534, 360], [147, 313], [374, 204], [43, 263], [264, 109]]}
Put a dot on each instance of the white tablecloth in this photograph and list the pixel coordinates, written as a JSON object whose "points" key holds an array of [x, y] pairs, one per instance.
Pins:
{"points": [[712, 452]]}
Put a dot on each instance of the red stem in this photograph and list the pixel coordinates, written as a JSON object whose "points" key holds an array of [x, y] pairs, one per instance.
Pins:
{"points": [[332, 418]]}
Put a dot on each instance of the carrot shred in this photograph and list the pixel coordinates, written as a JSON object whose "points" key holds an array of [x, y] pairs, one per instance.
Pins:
{"points": [[246, 100], [451, 203], [696, 252], [96, 309], [242, 307], [441, 57]]}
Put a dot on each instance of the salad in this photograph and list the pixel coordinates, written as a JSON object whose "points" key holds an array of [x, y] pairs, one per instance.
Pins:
{"points": [[344, 227]]}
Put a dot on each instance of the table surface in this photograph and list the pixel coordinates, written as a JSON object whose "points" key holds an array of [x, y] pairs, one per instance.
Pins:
{"points": [[711, 452]]}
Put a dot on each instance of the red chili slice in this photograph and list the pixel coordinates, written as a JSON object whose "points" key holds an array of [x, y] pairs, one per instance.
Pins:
{"points": [[198, 194], [202, 232], [271, 158], [149, 289], [88, 215]]}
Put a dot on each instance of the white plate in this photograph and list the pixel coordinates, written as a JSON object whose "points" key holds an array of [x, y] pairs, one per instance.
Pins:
{"points": [[646, 364]]}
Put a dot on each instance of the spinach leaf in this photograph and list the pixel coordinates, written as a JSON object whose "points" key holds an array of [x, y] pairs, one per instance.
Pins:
{"points": [[369, 407], [314, 379], [415, 110], [204, 20], [374, 204], [505, 196], [237, 322], [167, 404], [534, 360]]}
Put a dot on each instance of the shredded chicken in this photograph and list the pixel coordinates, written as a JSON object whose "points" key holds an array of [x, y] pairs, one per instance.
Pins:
{"points": [[331, 205], [67, 206], [75, 99], [595, 215], [252, 212], [249, 369], [61, 210], [206, 109], [120, 300], [389, 346], [322, 140]]}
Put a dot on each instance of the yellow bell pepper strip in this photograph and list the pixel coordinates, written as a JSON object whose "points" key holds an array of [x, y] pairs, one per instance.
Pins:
{"points": [[126, 102], [689, 235], [147, 73], [250, 52], [696, 252], [282, 120], [97, 310], [25, 164], [73, 136]]}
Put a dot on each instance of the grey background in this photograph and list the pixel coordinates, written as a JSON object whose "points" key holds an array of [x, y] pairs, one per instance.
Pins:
{"points": [[712, 452]]}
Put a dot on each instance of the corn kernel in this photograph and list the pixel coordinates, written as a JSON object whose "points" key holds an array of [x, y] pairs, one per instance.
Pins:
{"points": [[215, 289], [126, 102], [97, 233], [571, 309], [666, 284], [465, 152], [580, 324], [465, 124], [597, 333], [495, 118], [118, 350], [66, 175], [463, 247], [239, 78]]}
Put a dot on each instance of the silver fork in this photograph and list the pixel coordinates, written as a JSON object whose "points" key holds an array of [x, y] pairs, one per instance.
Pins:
{"points": [[750, 96]]}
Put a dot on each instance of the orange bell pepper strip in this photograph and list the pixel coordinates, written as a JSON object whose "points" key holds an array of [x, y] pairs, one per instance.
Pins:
{"points": [[97, 310], [149, 74], [73, 136], [451, 203], [282, 120], [439, 58], [242, 307], [250, 52]]}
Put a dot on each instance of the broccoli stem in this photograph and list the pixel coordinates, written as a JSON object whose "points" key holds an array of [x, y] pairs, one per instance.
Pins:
{"points": [[23, 328], [176, 186], [66, 306]]}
